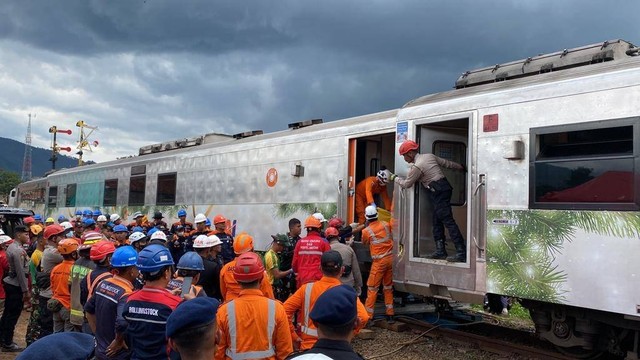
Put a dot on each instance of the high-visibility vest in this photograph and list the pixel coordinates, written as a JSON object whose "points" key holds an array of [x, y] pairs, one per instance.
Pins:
{"points": [[380, 246], [232, 351], [307, 305]]}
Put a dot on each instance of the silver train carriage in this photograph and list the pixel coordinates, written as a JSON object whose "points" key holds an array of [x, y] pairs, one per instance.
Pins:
{"points": [[549, 205]]}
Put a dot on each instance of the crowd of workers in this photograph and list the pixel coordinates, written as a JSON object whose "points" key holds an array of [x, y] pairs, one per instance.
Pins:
{"points": [[147, 290]]}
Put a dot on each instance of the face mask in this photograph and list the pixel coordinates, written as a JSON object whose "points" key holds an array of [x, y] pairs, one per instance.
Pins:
{"points": [[70, 234]]}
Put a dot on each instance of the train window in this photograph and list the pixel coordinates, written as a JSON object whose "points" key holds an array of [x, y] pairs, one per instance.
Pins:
{"points": [[166, 194], [137, 186], [110, 192], [456, 152], [70, 199], [52, 199], [586, 166]]}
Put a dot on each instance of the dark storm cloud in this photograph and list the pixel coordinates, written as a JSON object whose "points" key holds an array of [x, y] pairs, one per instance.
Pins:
{"points": [[181, 68]]}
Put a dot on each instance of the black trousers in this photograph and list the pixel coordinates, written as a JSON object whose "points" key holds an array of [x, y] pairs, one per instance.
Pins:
{"points": [[11, 314], [46, 317], [442, 215]]}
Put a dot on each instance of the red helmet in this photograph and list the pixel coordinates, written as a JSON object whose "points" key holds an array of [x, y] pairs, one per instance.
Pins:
{"points": [[219, 219], [67, 246], [52, 230], [248, 268], [101, 249], [336, 222], [331, 232], [407, 146], [312, 222]]}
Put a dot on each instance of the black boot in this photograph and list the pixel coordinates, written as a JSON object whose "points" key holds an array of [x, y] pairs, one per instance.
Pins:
{"points": [[461, 252], [440, 253]]}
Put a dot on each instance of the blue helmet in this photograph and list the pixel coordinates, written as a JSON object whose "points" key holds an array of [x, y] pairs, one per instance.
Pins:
{"points": [[37, 217], [88, 222], [61, 218], [137, 229], [151, 231], [120, 228], [153, 258], [182, 212], [97, 212], [78, 212], [191, 261], [87, 213], [124, 256], [208, 222]]}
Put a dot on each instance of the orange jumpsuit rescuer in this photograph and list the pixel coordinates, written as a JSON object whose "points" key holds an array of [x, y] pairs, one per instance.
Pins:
{"points": [[380, 240]]}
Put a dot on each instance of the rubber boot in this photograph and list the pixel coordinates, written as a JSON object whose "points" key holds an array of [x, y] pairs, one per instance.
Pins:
{"points": [[461, 252], [440, 253]]}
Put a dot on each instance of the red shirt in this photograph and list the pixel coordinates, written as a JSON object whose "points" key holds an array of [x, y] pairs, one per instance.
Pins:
{"points": [[306, 257], [4, 266]]}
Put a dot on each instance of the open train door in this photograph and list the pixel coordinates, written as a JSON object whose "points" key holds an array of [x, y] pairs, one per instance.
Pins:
{"points": [[448, 138]]}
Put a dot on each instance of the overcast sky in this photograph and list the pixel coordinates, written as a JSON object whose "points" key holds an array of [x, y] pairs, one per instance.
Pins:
{"points": [[156, 70]]}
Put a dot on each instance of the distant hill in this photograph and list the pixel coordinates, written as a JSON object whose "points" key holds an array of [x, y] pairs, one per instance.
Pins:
{"points": [[12, 154]]}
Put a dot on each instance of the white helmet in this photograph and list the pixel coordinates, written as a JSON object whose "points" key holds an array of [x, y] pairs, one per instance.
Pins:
{"points": [[371, 212], [200, 218], [137, 214], [102, 218], [136, 236], [214, 240], [114, 217], [382, 175], [66, 225], [319, 216], [4, 239], [201, 242], [159, 235]]}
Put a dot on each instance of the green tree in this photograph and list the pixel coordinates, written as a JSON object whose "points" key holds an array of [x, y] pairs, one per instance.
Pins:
{"points": [[8, 180]]}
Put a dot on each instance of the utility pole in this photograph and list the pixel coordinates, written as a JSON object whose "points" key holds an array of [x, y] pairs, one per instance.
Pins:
{"points": [[55, 149], [26, 162]]}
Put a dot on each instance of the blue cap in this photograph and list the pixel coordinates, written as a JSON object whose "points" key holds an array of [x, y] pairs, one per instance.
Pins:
{"points": [[61, 218], [151, 231], [120, 228], [124, 256], [137, 229], [37, 217], [191, 314], [335, 307], [61, 346], [78, 212], [88, 222], [97, 212], [182, 212]]}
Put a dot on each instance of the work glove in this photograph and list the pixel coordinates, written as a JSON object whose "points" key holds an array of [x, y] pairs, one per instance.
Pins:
{"points": [[374, 205], [392, 176], [354, 225]]}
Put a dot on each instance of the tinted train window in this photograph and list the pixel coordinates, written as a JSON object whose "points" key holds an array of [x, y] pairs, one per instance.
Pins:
{"points": [[52, 199], [166, 194], [587, 166], [70, 199], [137, 186], [110, 192]]}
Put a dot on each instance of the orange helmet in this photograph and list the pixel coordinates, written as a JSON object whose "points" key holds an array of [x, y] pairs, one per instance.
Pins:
{"points": [[67, 246], [248, 268], [219, 219], [242, 243], [51, 230], [101, 249], [312, 222], [407, 146], [331, 232]]}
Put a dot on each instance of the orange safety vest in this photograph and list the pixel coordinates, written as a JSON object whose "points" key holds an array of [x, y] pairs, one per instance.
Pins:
{"points": [[230, 289], [379, 238], [253, 327], [60, 276], [304, 299]]}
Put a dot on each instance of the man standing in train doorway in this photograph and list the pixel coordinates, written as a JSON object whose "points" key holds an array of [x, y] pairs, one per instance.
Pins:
{"points": [[426, 169]]}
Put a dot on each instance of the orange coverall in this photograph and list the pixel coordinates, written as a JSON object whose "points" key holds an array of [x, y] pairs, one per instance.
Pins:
{"points": [[230, 289], [304, 299], [253, 327], [364, 195], [60, 283], [380, 240]]}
